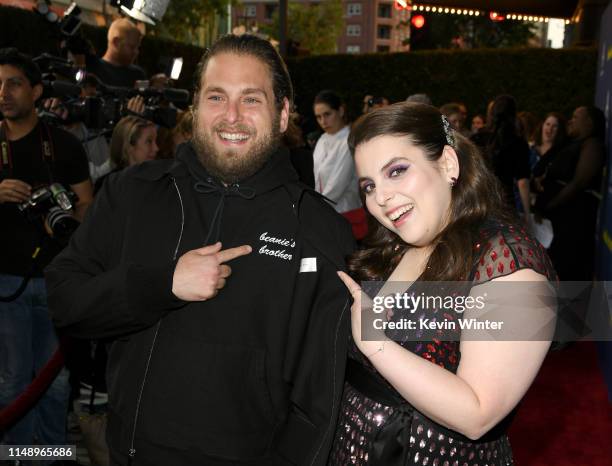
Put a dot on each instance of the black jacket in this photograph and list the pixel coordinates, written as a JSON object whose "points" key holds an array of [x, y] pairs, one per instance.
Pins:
{"points": [[254, 374]]}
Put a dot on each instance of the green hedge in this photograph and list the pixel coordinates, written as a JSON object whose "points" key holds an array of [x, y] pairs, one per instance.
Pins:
{"points": [[542, 80]]}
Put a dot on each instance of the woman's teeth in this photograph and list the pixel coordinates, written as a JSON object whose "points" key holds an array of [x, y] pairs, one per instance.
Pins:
{"points": [[396, 214]]}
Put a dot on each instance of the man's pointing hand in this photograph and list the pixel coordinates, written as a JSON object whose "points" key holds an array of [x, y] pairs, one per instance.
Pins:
{"points": [[201, 273]]}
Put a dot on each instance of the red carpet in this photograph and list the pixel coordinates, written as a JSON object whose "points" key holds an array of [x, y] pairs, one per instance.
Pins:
{"points": [[565, 418]]}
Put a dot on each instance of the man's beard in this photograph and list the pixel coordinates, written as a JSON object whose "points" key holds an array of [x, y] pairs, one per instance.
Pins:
{"points": [[18, 113], [229, 166]]}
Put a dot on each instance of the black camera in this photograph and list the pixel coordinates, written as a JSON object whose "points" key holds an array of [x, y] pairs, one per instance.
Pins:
{"points": [[158, 102], [60, 78], [111, 105], [94, 112], [54, 204], [104, 110]]}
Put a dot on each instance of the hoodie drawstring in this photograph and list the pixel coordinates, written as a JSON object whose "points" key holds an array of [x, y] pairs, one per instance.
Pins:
{"points": [[209, 186]]}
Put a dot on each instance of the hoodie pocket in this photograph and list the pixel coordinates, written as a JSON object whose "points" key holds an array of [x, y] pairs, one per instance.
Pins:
{"points": [[217, 402]]}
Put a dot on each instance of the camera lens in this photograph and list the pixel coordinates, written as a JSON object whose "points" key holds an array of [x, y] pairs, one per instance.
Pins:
{"points": [[62, 223]]}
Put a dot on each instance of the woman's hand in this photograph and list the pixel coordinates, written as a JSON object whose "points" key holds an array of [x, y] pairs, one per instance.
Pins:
{"points": [[362, 311]]}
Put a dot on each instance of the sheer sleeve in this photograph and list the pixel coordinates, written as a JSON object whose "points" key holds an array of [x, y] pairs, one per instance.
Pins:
{"points": [[504, 249], [514, 310]]}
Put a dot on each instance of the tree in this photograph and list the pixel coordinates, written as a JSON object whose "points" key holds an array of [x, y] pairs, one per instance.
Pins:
{"points": [[314, 26], [450, 31], [194, 22], [499, 33]]}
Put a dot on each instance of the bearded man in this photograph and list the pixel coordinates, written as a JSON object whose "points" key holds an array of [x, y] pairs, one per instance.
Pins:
{"points": [[212, 365]]}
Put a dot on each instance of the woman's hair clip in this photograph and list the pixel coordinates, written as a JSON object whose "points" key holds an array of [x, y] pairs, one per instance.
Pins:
{"points": [[448, 132]]}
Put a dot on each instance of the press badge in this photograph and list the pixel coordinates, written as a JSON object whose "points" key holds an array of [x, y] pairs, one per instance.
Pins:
{"points": [[308, 264]]}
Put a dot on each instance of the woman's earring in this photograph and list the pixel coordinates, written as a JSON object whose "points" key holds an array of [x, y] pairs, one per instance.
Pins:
{"points": [[453, 181]]}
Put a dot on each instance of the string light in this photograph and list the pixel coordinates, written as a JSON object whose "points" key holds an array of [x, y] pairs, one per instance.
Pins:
{"points": [[459, 11], [447, 10]]}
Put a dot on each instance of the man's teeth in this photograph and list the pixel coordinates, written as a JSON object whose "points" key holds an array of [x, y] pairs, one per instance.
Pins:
{"points": [[399, 212], [234, 136]]}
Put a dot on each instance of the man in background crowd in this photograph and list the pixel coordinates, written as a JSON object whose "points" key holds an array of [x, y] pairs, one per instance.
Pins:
{"points": [[33, 155], [116, 67]]}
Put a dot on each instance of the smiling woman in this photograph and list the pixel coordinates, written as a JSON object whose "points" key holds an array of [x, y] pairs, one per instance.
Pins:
{"points": [[436, 215]]}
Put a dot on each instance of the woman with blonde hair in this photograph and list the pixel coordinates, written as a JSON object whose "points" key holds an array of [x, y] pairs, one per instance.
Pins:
{"points": [[133, 142]]}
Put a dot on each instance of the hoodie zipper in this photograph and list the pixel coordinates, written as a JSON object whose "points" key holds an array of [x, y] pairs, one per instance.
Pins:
{"points": [[132, 450], [332, 424]]}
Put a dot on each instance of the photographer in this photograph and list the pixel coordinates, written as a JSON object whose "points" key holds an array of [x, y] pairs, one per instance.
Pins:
{"points": [[116, 67], [93, 140], [33, 155]]}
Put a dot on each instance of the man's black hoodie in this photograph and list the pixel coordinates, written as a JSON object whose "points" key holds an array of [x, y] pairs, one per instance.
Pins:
{"points": [[252, 375]]}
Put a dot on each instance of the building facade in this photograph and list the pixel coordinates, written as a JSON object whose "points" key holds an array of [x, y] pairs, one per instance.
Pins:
{"points": [[369, 25]]}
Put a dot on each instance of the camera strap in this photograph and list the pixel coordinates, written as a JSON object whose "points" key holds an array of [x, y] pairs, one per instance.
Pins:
{"points": [[6, 161], [6, 156]]}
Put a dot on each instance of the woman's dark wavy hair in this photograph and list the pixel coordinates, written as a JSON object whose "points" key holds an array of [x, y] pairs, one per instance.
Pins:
{"points": [[476, 197]]}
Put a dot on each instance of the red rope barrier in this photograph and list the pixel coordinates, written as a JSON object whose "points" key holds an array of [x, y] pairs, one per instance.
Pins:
{"points": [[24, 402]]}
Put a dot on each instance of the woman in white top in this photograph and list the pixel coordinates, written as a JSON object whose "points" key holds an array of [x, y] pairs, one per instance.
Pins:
{"points": [[334, 169]]}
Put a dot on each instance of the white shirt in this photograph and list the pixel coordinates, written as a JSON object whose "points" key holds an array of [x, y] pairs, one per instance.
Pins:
{"points": [[334, 171]]}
